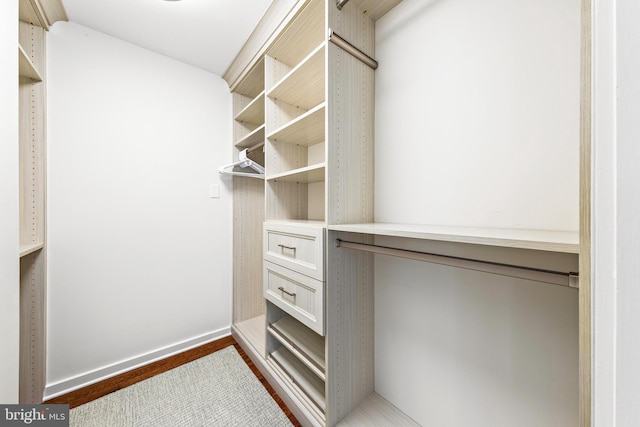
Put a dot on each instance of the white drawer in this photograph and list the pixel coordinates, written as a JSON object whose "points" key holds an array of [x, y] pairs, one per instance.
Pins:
{"points": [[299, 295], [298, 247]]}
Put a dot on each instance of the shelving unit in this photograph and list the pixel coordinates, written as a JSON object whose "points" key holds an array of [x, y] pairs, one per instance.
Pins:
{"points": [[318, 108], [35, 19]]}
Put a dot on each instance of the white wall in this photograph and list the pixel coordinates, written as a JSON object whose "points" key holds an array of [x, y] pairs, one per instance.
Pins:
{"points": [[627, 209], [139, 255], [9, 224], [483, 97]]}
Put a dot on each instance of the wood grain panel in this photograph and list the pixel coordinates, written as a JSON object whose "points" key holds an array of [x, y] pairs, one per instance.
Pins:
{"points": [[32, 328], [248, 215], [584, 296], [350, 140], [350, 328]]}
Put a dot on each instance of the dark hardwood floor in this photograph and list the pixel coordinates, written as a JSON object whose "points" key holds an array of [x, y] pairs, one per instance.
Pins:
{"points": [[102, 388]]}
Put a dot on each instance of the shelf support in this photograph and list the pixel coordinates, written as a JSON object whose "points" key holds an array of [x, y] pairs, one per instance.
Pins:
{"points": [[528, 273]]}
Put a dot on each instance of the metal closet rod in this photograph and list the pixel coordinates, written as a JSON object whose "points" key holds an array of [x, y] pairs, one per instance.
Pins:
{"points": [[351, 49], [255, 147], [340, 3], [528, 273]]}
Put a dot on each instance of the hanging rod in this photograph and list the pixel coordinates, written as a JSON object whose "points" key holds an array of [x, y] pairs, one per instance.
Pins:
{"points": [[255, 147], [340, 3], [527, 273], [354, 51]]}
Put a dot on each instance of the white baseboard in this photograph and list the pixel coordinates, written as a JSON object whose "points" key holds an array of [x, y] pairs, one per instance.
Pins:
{"points": [[92, 377]]}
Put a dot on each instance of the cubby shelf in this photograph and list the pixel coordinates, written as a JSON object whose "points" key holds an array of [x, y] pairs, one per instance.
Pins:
{"points": [[543, 240], [27, 249], [254, 112], [302, 342], [304, 85], [253, 138], [27, 69], [306, 129], [309, 174]]}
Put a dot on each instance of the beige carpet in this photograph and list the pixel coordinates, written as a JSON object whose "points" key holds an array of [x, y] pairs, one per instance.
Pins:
{"points": [[216, 390]]}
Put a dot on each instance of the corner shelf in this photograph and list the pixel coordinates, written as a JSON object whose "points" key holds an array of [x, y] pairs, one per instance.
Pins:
{"points": [[309, 174], [542, 240], [27, 69]]}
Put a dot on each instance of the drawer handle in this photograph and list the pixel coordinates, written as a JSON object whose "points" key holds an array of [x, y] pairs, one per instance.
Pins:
{"points": [[281, 289], [293, 248]]}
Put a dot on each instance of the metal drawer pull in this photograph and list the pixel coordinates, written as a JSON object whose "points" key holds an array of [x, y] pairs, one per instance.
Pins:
{"points": [[281, 289], [293, 248]]}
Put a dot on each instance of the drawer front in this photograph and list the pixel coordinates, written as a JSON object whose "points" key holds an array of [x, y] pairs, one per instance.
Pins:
{"points": [[298, 248], [299, 295]]}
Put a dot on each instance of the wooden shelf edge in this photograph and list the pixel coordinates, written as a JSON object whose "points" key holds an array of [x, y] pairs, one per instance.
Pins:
{"points": [[543, 240], [246, 111], [306, 62], [30, 248], [27, 69], [284, 332], [305, 175]]}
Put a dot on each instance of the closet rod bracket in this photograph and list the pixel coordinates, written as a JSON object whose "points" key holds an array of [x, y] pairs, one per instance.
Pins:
{"points": [[574, 280]]}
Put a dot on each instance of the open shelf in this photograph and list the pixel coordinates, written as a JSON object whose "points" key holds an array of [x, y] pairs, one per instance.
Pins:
{"points": [[254, 137], [254, 332], [26, 249], [376, 411], [254, 112], [309, 384], [543, 240], [308, 174], [306, 32], [306, 129], [302, 342], [253, 83], [304, 85], [26, 67]]}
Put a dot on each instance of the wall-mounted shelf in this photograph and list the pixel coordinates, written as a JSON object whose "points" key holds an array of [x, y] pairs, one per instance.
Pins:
{"points": [[304, 85], [256, 136], [543, 240], [306, 129], [309, 174], [27, 69]]}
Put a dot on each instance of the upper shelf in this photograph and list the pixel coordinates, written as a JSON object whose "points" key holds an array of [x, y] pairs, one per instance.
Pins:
{"points": [[542, 240], [306, 129], [303, 86], [26, 67], [254, 112]]}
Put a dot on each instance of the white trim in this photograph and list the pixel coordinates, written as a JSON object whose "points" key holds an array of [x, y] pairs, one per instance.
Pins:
{"points": [[92, 377]]}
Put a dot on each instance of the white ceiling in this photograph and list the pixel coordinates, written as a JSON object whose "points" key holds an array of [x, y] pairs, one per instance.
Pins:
{"points": [[204, 33]]}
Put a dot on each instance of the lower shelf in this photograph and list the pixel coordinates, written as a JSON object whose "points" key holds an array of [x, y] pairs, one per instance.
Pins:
{"points": [[376, 411], [302, 379], [254, 332]]}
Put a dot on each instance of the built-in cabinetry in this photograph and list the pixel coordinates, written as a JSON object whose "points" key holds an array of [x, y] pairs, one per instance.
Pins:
{"points": [[34, 22], [303, 305]]}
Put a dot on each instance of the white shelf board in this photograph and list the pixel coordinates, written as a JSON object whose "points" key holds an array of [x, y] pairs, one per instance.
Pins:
{"points": [[30, 248], [306, 129], [304, 85], [254, 112], [309, 384], [543, 240], [302, 342], [376, 411], [254, 137], [309, 174], [26, 67], [254, 332]]}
